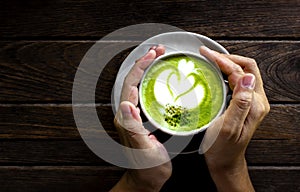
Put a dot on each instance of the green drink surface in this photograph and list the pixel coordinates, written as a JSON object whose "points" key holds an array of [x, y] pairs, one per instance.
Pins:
{"points": [[182, 93]]}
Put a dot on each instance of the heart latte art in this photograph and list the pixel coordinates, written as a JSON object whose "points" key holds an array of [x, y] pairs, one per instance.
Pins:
{"points": [[181, 93]]}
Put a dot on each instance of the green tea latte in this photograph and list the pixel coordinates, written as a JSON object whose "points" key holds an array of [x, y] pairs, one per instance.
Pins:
{"points": [[181, 92]]}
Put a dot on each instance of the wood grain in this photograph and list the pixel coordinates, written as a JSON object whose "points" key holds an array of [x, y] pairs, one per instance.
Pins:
{"points": [[43, 42], [39, 134], [47, 121], [57, 152], [39, 72], [94, 19], [273, 152], [278, 63], [57, 122], [97, 178], [263, 179], [63, 178]]}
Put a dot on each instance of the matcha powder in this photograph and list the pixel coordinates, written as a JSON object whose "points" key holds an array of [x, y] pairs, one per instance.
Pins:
{"points": [[176, 115]]}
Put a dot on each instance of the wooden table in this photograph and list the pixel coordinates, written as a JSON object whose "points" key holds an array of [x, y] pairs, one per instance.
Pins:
{"points": [[43, 42]]}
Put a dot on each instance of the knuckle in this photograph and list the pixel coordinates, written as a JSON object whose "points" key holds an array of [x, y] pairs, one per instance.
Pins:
{"points": [[266, 109], [261, 110], [243, 104], [252, 61], [237, 69], [253, 64]]}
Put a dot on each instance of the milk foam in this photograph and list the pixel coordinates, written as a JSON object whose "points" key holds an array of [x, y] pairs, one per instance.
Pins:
{"points": [[165, 94]]}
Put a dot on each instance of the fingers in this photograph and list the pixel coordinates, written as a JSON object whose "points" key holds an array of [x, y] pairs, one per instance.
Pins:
{"points": [[130, 127], [135, 75], [234, 66], [249, 66], [128, 120], [237, 112], [160, 50], [129, 90], [227, 66]]}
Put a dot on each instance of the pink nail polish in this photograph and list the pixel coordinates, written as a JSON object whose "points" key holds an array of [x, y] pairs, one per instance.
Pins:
{"points": [[248, 81]]}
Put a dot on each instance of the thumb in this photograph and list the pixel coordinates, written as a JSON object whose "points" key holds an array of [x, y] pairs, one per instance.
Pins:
{"points": [[235, 115], [128, 118]]}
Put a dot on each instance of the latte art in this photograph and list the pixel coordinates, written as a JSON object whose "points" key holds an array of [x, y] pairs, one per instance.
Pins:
{"points": [[181, 93], [184, 86]]}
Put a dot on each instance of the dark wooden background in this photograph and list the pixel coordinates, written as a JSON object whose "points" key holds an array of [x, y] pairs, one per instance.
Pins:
{"points": [[43, 42]]}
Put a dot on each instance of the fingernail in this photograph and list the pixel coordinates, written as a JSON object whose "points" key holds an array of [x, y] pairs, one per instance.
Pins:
{"points": [[248, 81]]}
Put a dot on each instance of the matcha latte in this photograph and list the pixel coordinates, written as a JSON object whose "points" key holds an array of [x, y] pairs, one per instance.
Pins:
{"points": [[182, 93]]}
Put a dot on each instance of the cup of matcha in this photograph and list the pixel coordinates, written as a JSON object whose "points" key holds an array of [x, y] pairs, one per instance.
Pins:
{"points": [[182, 93]]}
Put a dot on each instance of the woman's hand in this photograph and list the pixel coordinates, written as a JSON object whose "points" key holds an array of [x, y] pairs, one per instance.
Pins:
{"points": [[132, 134], [225, 142]]}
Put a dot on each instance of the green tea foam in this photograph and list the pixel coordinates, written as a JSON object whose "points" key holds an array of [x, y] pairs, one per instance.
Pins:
{"points": [[182, 92]]}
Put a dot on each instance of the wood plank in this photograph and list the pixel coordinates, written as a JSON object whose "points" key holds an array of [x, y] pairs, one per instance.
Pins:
{"points": [[49, 122], [51, 137], [94, 19], [39, 72], [34, 71], [57, 122], [45, 152], [271, 179], [281, 123], [29, 179], [273, 152], [95, 178]]}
